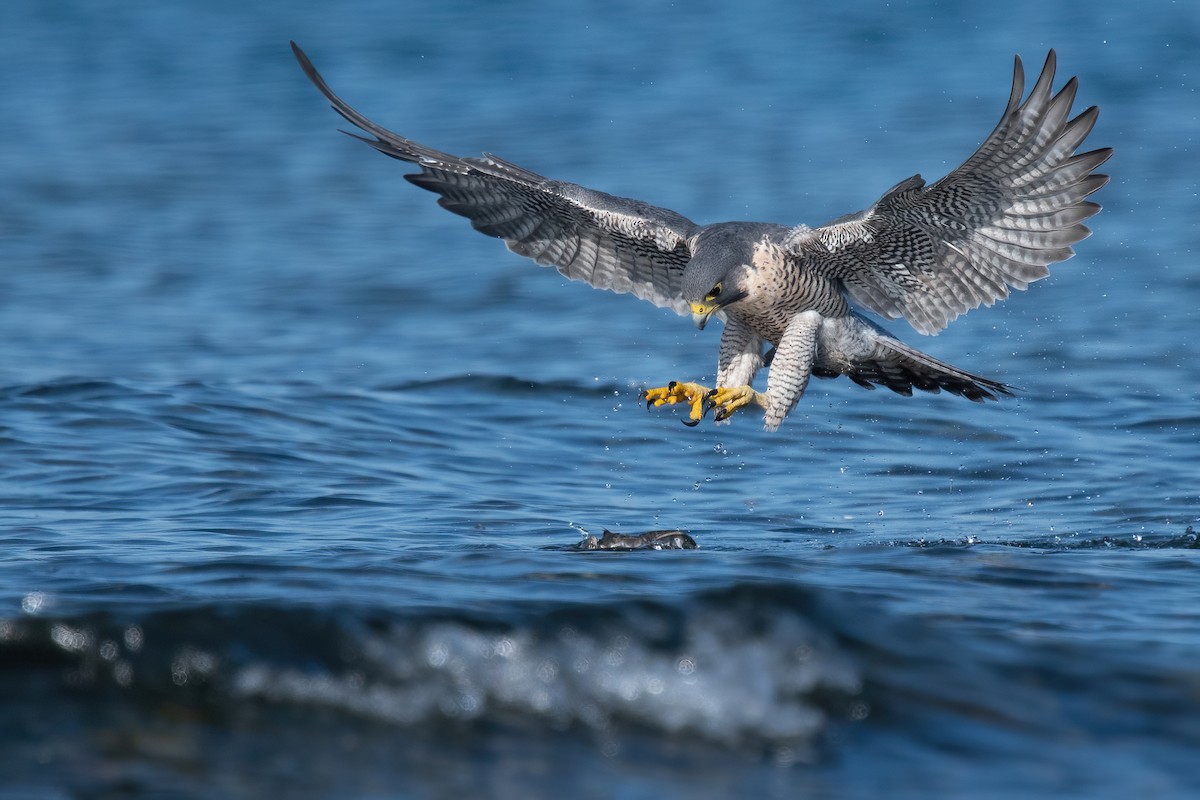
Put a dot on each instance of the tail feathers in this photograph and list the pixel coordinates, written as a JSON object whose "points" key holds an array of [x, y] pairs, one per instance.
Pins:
{"points": [[902, 368]]}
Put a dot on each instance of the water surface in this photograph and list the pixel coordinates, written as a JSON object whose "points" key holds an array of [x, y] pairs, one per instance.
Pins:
{"points": [[293, 461]]}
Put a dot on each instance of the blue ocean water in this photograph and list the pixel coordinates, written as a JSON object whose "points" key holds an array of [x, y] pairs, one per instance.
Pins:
{"points": [[292, 461]]}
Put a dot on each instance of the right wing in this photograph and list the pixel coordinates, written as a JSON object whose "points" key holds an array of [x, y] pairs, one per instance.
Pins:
{"points": [[608, 242]]}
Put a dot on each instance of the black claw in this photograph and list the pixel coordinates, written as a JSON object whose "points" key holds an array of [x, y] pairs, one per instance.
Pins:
{"points": [[691, 423], [671, 386], [722, 415]]}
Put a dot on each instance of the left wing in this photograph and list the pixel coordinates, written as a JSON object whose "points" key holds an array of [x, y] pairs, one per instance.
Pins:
{"points": [[929, 254], [608, 242]]}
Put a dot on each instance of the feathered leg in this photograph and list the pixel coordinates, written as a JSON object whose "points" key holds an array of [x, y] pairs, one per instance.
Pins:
{"points": [[790, 370]]}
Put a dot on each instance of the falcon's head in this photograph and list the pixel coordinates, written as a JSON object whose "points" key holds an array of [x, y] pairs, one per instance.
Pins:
{"points": [[716, 275]]}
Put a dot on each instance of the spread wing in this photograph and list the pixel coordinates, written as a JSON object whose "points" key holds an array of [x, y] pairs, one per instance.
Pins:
{"points": [[929, 254], [608, 242]]}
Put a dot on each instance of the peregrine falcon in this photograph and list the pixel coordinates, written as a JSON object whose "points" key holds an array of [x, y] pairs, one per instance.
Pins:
{"points": [[923, 253]]}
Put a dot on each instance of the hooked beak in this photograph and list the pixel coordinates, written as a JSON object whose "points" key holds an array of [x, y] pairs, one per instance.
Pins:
{"points": [[701, 312]]}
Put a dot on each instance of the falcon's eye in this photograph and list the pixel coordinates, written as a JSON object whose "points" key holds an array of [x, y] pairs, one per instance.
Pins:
{"points": [[716, 291]]}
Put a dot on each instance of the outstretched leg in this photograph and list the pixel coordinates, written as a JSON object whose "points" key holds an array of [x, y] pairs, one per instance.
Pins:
{"points": [[790, 371], [739, 358]]}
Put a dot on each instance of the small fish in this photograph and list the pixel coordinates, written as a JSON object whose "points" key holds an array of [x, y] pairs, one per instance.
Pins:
{"points": [[651, 540]]}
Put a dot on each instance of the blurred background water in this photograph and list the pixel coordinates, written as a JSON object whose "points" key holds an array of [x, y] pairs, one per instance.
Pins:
{"points": [[291, 461]]}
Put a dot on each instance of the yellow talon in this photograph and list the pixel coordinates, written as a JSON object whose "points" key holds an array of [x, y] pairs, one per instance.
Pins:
{"points": [[725, 399], [692, 393], [728, 399]]}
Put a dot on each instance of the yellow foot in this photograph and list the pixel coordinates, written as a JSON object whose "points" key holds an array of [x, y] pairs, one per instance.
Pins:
{"points": [[724, 399], [728, 399], [674, 392]]}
